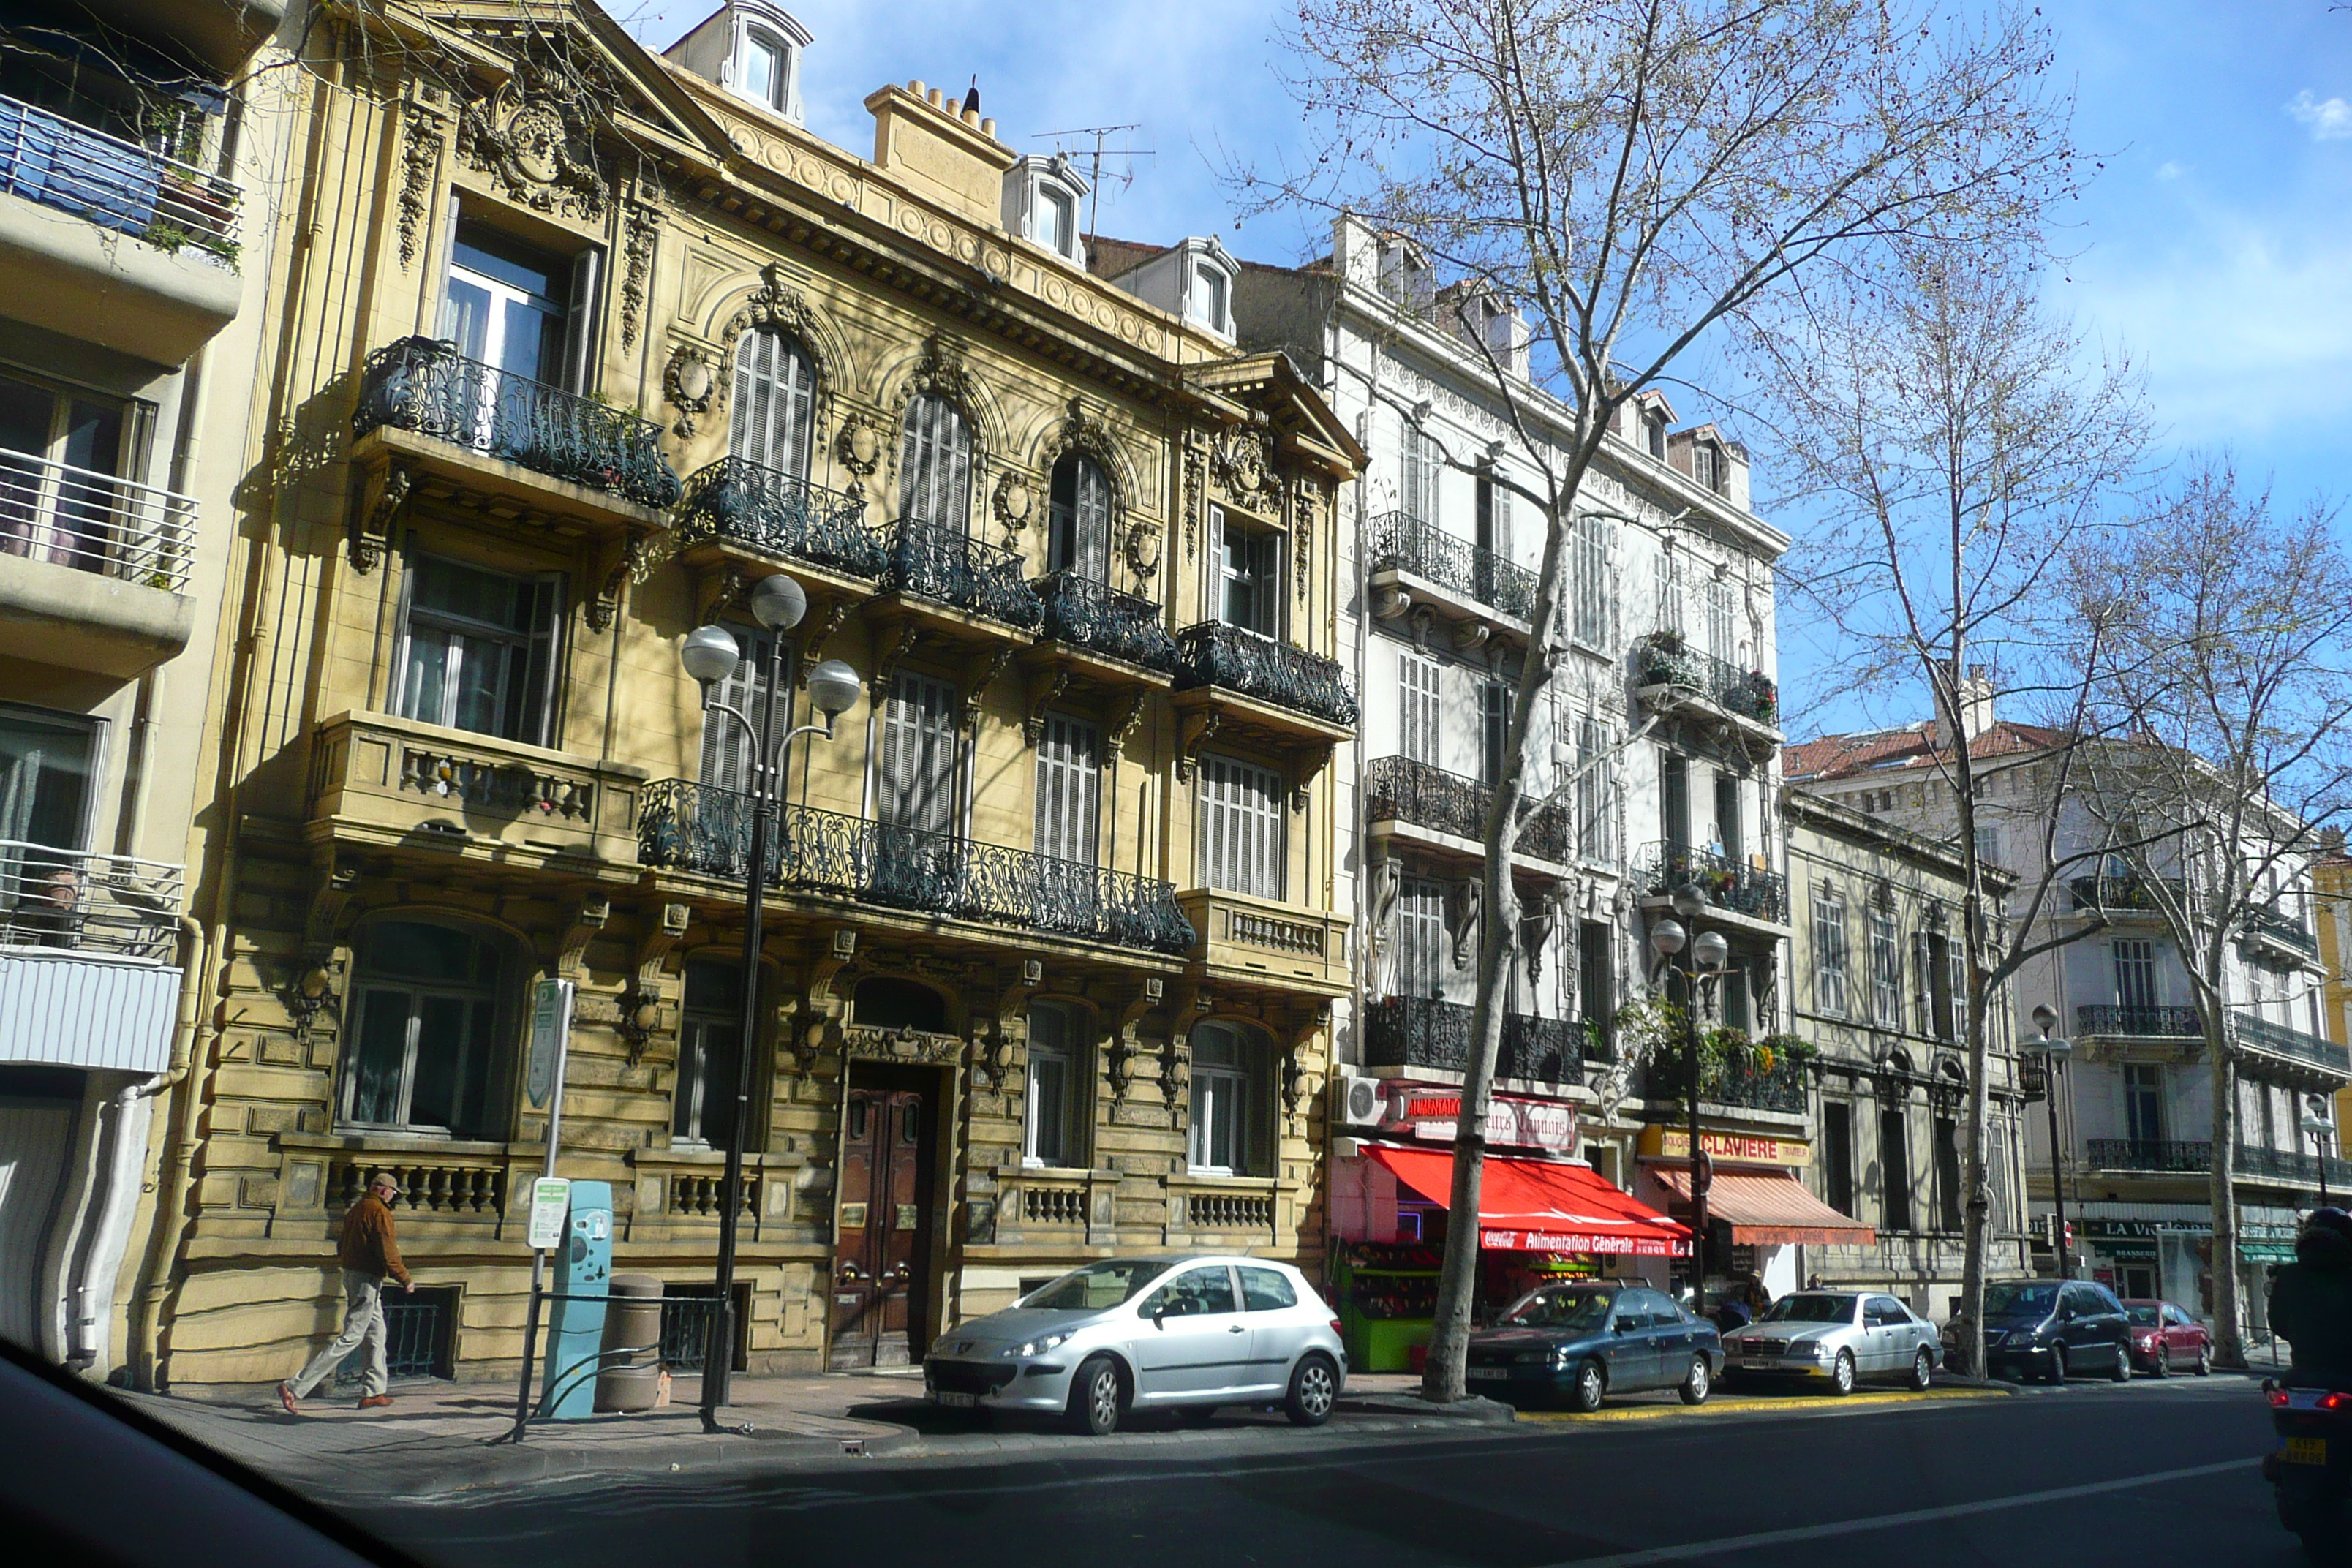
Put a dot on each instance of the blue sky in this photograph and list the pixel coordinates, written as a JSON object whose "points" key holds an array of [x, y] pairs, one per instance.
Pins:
{"points": [[2215, 247]]}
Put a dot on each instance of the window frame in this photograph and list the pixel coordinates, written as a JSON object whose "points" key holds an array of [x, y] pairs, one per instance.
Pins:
{"points": [[692, 1039], [1080, 527], [1239, 1120], [1830, 954], [791, 390], [1267, 857], [1072, 1053], [544, 644], [938, 453], [365, 985]]}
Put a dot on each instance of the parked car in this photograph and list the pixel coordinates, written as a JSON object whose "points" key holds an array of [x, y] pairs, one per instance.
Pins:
{"points": [[2165, 1339], [1580, 1342], [1149, 1333], [2055, 1329], [1835, 1338]]}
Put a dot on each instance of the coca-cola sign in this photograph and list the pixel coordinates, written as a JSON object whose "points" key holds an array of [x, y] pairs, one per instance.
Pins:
{"points": [[1514, 1122]]}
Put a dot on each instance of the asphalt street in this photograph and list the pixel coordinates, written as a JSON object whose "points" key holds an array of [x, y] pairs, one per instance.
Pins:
{"points": [[2148, 1473]]}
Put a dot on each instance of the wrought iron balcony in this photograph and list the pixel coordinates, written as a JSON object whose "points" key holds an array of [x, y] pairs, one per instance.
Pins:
{"points": [[2122, 892], [2283, 928], [2279, 1039], [1404, 542], [1727, 883], [116, 185], [2150, 1155], [426, 387], [1399, 789], [1098, 618], [95, 523], [737, 502], [689, 827], [2139, 1023], [2292, 1166], [952, 568], [1741, 1081], [1423, 1032], [1663, 658], [1246, 663]]}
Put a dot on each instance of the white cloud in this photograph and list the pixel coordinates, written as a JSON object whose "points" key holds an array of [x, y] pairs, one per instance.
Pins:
{"points": [[2329, 121], [2168, 170]]}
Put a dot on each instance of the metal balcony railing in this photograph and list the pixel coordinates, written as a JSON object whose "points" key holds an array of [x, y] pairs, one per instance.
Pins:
{"points": [[952, 568], [94, 522], [2292, 1166], [85, 902], [2122, 892], [1423, 1032], [114, 183], [736, 501], [1738, 1082], [2281, 927], [2140, 1023], [2281, 1041], [1098, 618], [1407, 543], [1728, 884], [689, 827], [2150, 1153], [1241, 662], [1663, 658], [1399, 789], [426, 387]]}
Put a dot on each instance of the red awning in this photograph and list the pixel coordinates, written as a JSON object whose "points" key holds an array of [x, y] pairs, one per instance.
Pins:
{"points": [[1540, 1206], [1771, 1210]]}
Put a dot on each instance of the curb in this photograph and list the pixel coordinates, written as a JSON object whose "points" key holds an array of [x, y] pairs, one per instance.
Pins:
{"points": [[475, 1466], [1478, 1409]]}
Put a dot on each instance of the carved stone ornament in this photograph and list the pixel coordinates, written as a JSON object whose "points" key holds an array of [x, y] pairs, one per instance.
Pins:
{"points": [[1196, 469], [423, 124], [688, 383], [776, 306], [1245, 466], [642, 230], [859, 444], [379, 499], [535, 134], [871, 1042], [941, 371], [633, 561], [1014, 503], [1143, 550]]}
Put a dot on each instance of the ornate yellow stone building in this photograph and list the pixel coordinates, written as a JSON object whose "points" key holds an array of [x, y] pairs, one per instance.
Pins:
{"points": [[574, 345]]}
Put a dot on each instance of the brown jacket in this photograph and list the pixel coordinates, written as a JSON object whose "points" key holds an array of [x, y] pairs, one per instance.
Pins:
{"points": [[367, 1245]]}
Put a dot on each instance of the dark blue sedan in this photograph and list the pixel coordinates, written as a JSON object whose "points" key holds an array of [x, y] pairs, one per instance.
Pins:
{"points": [[1578, 1342]]}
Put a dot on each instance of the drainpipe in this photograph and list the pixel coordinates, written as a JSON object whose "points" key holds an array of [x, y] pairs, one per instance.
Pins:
{"points": [[171, 1223]]}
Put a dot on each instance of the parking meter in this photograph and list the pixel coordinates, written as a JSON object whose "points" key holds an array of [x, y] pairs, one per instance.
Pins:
{"points": [[583, 1272]]}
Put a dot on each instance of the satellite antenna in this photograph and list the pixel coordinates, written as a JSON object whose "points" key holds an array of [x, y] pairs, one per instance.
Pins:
{"points": [[1124, 175]]}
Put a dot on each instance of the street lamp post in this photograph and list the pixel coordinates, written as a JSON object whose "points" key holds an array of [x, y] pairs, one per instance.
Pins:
{"points": [[2316, 1127], [1709, 951], [710, 653], [2053, 1054]]}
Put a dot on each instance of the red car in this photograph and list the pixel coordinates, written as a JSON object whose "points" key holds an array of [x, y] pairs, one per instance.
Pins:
{"points": [[2165, 1339]]}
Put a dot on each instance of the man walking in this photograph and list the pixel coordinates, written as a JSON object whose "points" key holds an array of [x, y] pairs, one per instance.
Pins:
{"points": [[368, 1254]]}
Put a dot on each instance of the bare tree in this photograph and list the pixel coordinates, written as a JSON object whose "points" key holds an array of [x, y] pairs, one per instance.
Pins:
{"points": [[1632, 173], [2225, 753]]}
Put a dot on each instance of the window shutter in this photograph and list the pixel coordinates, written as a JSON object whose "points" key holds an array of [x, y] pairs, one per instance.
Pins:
{"points": [[538, 727], [1241, 839], [1418, 692], [579, 323], [1069, 789], [914, 454], [1421, 966], [725, 750], [1495, 715], [1094, 522], [1219, 608], [918, 756], [772, 418]]}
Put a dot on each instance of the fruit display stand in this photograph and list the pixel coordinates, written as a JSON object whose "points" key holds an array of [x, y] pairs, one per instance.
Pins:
{"points": [[1387, 1303]]}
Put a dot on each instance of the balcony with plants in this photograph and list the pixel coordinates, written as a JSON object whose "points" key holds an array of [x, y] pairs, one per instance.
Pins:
{"points": [[1735, 1071], [1413, 562], [1750, 892], [1672, 675], [1286, 688]]}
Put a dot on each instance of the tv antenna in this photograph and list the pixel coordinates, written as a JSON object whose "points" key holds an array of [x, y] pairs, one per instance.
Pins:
{"points": [[1125, 174]]}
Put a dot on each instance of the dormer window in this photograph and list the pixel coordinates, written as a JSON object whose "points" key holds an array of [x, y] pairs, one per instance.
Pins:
{"points": [[1655, 424], [1041, 203], [753, 48], [1193, 278], [1406, 276], [763, 68], [1208, 301], [1057, 221]]}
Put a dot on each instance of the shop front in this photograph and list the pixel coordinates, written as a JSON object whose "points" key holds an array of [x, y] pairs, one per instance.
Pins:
{"points": [[1760, 1216], [2165, 1251]]}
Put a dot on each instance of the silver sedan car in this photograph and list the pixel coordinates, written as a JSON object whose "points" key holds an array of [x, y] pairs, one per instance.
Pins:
{"points": [[1147, 1333], [1834, 1338]]}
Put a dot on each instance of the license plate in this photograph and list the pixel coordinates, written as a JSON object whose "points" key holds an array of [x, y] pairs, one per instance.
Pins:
{"points": [[1487, 1374], [2306, 1451], [958, 1401]]}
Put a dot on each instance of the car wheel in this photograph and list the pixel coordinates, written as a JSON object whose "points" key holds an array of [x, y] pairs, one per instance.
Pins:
{"points": [[1314, 1389], [1923, 1371], [2123, 1366], [2058, 1363], [2162, 1365], [1696, 1383], [1584, 1393], [2205, 1361], [1098, 1397], [1842, 1374]]}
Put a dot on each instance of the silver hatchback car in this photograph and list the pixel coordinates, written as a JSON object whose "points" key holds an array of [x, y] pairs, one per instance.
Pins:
{"points": [[1834, 1337], [1148, 1334]]}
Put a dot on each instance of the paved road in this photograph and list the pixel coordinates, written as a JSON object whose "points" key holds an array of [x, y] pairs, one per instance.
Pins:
{"points": [[2149, 1473]]}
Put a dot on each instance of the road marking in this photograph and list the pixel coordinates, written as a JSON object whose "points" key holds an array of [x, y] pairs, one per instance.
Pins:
{"points": [[1748, 1407], [1736, 1543]]}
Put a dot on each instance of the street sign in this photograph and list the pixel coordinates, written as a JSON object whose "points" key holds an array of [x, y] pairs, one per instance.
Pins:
{"points": [[551, 1023], [551, 1203]]}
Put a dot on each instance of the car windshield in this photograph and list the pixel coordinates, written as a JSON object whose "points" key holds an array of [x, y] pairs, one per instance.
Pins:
{"points": [[1560, 1310], [2016, 1298], [2149, 1316], [1097, 1285], [1811, 1306]]}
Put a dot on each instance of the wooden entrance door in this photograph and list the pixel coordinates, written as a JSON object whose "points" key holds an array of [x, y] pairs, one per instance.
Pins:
{"points": [[882, 1257]]}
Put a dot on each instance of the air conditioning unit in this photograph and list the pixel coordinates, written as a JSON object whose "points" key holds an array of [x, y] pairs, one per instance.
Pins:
{"points": [[1363, 1101]]}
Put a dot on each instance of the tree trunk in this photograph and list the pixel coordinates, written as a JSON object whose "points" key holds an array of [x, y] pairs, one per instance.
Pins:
{"points": [[2229, 1319], [1976, 1218]]}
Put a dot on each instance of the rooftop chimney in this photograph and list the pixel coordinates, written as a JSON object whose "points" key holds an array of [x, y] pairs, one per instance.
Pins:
{"points": [[952, 154]]}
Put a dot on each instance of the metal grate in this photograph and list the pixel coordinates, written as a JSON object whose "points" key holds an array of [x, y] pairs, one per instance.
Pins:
{"points": [[685, 1326], [418, 1326]]}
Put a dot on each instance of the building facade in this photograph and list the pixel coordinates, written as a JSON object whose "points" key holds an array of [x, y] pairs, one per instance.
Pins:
{"points": [[1054, 923]]}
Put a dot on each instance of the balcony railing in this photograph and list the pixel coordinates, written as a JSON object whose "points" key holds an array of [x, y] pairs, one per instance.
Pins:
{"points": [[79, 902], [2281, 1041], [2281, 927], [695, 827], [1255, 665], [114, 183], [427, 387], [2139, 1023], [1408, 543], [952, 568], [737, 502], [1728, 884], [1423, 1032], [2122, 892], [2188, 1157], [94, 522], [1738, 1082], [1664, 659], [2292, 1166], [1403, 790], [1098, 618]]}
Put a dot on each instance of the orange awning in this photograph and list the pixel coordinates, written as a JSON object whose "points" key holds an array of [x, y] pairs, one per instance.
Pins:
{"points": [[1542, 1205], [1770, 1210]]}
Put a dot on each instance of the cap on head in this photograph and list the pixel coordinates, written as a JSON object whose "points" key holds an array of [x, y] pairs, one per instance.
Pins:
{"points": [[385, 1180]]}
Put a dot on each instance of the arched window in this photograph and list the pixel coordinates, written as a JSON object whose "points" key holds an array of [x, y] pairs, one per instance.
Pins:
{"points": [[709, 1054], [887, 1002], [766, 73], [774, 417], [1232, 1101], [424, 1033], [935, 465], [1081, 518]]}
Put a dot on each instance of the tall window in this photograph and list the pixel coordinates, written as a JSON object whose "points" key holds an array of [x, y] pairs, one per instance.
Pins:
{"points": [[426, 1011], [1596, 978], [1947, 1173], [1670, 593], [1596, 824], [1494, 525], [921, 755], [1594, 584], [1837, 1155], [1417, 702], [57, 452], [765, 74], [1209, 296], [1424, 960], [1829, 950], [1895, 1165], [1249, 567], [1243, 846], [2144, 1102], [709, 1054], [1069, 788], [1728, 838], [728, 757], [1722, 622], [1080, 519], [1674, 803], [1494, 699], [1935, 984], [1231, 1131], [1059, 1101], [47, 762], [935, 464], [1988, 840], [522, 311], [1417, 477], [2135, 972], [772, 420], [1653, 428], [1886, 970], [480, 650]]}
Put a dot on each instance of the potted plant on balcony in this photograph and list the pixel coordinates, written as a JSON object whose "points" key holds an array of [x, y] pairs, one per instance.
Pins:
{"points": [[1657, 658]]}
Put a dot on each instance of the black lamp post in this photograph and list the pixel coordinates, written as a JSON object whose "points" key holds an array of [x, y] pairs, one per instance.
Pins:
{"points": [[2316, 1127], [1709, 951], [710, 653], [2053, 1054]]}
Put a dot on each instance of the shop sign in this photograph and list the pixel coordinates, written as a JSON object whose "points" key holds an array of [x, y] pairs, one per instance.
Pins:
{"points": [[2145, 1228], [2127, 1251], [1673, 1144], [1521, 1123]]}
